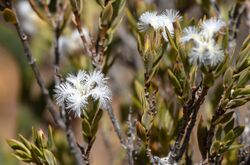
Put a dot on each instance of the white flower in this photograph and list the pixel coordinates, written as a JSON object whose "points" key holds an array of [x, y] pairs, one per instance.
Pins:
{"points": [[96, 78], [205, 51], [148, 19], [62, 92], [76, 102], [77, 80], [211, 26], [159, 21], [103, 94], [190, 33], [172, 15], [75, 92]]}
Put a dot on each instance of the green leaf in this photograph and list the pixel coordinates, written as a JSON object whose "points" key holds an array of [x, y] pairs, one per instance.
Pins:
{"points": [[158, 59], [236, 103], [228, 77], [225, 118], [34, 133], [229, 126], [50, 142], [238, 131], [171, 41], [219, 133], [49, 157], [86, 128], [175, 82], [25, 141], [229, 137], [244, 78], [243, 60], [208, 79], [23, 154], [139, 90], [221, 67], [27, 160], [246, 42], [241, 91], [147, 120], [97, 117], [107, 14], [16, 145], [236, 146], [216, 146], [36, 151]]}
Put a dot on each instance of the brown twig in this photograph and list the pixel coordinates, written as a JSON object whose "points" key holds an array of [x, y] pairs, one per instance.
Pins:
{"points": [[148, 150], [37, 74], [117, 127], [87, 152], [150, 98], [131, 138], [87, 46], [187, 111], [100, 44], [190, 127], [75, 150]]}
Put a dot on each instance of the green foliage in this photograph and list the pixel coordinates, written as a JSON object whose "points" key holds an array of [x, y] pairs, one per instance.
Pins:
{"points": [[38, 151], [225, 136]]}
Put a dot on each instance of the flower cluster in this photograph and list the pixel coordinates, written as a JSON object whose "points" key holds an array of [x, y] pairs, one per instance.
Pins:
{"points": [[76, 91], [205, 50], [159, 21]]}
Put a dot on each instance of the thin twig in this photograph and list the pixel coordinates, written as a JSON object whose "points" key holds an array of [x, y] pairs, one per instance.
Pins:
{"points": [[37, 74], [131, 137], [87, 152], [117, 127], [75, 150], [151, 101], [100, 44], [87, 46], [148, 150]]}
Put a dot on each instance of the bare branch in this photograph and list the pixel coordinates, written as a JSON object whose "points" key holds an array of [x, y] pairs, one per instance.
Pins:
{"points": [[117, 127]]}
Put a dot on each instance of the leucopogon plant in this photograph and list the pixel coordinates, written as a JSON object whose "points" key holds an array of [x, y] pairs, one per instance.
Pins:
{"points": [[183, 60]]}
